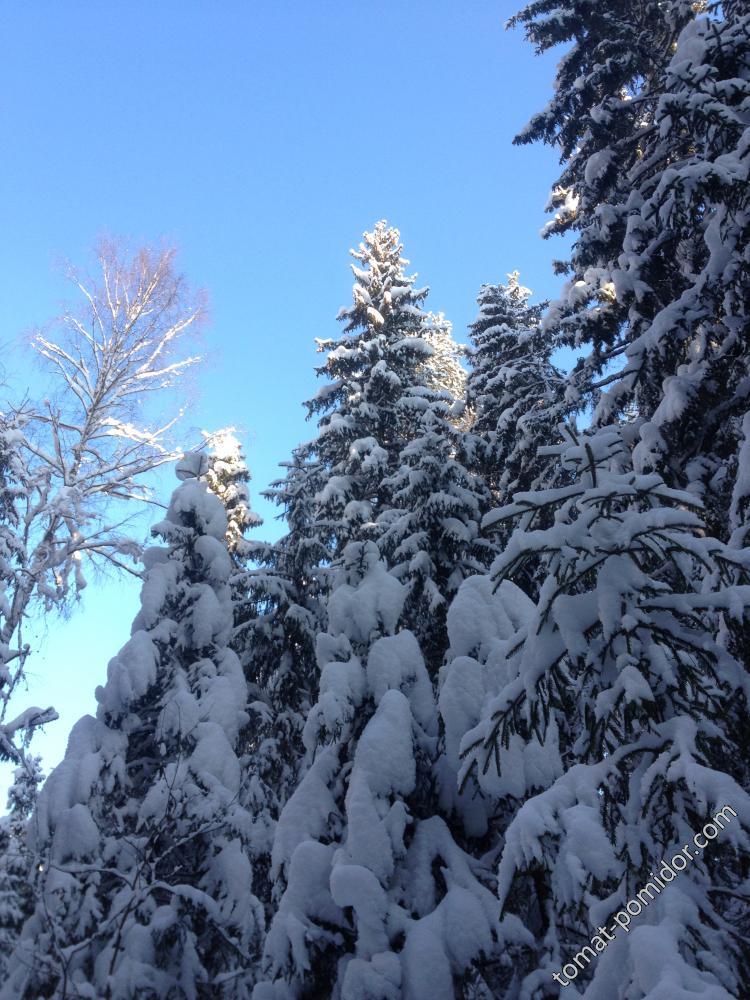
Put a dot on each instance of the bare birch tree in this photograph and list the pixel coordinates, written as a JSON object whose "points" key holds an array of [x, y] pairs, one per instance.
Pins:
{"points": [[70, 466]]}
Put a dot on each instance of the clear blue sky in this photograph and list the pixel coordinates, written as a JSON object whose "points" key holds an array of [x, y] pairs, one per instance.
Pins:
{"points": [[261, 138]]}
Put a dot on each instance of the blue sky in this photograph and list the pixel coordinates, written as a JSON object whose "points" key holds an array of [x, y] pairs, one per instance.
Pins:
{"points": [[261, 138]]}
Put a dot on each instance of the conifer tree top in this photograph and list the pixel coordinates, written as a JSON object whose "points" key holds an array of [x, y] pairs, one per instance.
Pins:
{"points": [[375, 375], [380, 281]]}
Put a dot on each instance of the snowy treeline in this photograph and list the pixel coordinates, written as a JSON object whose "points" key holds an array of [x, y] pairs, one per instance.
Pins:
{"points": [[496, 667]]}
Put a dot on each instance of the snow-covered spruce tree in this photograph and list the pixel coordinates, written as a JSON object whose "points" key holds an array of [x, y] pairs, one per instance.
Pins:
{"points": [[146, 889], [392, 356], [442, 371], [269, 745], [649, 114], [228, 477], [430, 536], [516, 399], [514, 392], [363, 423], [605, 738], [16, 861], [283, 600], [380, 901], [280, 612]]}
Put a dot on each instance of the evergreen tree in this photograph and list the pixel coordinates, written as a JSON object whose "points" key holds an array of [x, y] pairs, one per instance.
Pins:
{"points": [[443, 371], [284, 592], [280, 613], [606, 735], [16, 895], [516, 398], [228, 477], [364, 420], [430, 537], [648, 116], [146, 888], [514, 392], [269, 748], [380, 901]]}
